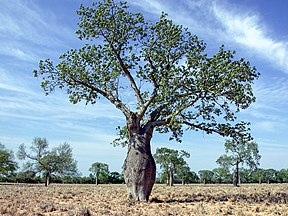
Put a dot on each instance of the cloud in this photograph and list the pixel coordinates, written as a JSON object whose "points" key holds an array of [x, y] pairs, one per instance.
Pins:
{"points": [[246, 28], [225, 23]]}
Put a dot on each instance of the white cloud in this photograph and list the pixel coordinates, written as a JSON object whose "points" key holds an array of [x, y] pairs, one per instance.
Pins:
{"points": [[246, 29], [224, 23]]}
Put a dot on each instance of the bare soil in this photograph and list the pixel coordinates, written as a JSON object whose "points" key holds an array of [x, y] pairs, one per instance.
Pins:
{"points": [[58, 199]]}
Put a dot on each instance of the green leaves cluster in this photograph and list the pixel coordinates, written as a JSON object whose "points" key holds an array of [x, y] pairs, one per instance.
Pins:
{"points": [[7, 163]]}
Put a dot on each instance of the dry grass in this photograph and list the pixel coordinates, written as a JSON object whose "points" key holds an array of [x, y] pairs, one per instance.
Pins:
{"points": [[36, 200]]}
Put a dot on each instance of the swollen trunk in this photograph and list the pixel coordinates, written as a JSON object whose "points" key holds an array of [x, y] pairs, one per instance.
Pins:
{"points": [[139, 167]]}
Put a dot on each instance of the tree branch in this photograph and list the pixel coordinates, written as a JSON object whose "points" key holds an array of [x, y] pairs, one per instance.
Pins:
{"points": [[108, 95], [128, 74]]}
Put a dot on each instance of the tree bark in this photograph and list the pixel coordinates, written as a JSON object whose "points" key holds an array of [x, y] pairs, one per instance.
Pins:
{"points": [[171, 178], [139, 165], [47, 179], [236, 175]]}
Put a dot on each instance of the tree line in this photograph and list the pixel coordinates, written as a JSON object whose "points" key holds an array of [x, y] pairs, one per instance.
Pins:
{"points": [[58, 165], [43, 165]]}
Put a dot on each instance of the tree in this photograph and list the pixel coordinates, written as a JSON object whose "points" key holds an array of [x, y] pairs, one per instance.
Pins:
{"points": [[115, 178], [174, 83], [184, 173], [206, 176], [283, 175], [57, 161], [221, 175], [7, 162], [100, 172], [171, 161], [239, 151]]}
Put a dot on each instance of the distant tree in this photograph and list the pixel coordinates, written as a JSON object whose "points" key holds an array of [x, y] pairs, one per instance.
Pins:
{"points": [[194, 178], [115, 178], [27, 176], [174, 83], [257, 175], [184, 173], [245, 175], [206, 176], [283, 175], [269, 175], [239, 151], [170, 161], [100, 171], [7, 162], [57, 161], [221, 175]]}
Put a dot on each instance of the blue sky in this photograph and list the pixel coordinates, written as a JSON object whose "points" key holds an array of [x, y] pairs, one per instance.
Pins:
{"points": [[31, 30]]}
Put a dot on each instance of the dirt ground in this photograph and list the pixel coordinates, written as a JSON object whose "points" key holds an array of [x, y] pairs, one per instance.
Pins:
{"points": [[57, 199]]}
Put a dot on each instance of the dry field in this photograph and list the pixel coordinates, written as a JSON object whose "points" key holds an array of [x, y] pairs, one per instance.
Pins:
{"points": [[23, 199]]}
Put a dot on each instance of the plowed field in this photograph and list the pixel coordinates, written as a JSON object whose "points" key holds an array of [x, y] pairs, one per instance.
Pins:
{"points": [[57, 199]]}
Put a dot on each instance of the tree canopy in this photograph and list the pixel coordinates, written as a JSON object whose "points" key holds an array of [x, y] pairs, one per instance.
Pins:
{"points": [[172, 161], [7, 163], [100, 172], [174, 81], [58, 161], [239, 151], [158, 75]]}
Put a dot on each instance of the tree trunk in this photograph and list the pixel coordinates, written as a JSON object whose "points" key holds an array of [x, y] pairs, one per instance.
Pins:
{"points": [[139, 166], [47, 179], [171, 178], [236, 175], [96, 180]]}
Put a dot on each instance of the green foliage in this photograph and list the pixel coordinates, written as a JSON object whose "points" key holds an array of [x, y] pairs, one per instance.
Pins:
{"points": [[221, 175], [7, 162], [172, 161], [206, 176], [57, 161], [240, 151], [184, 174], [175, 83], [100, 172], [115, 178]]}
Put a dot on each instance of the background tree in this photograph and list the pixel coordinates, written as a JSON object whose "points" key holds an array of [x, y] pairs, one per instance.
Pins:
{"points": [[115, 178], [184, 173], [170, 161], [100, 171], [206, 176], [239, 151], [283, 175], [221, 175], [57, 161], [173, 81], [7, 162]]}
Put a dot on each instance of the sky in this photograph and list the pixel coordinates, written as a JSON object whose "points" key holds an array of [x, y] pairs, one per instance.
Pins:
{"points": [[31, 30]]}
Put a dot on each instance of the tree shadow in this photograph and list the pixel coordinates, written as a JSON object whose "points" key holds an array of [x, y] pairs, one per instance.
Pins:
{"points": [[276, 198]]}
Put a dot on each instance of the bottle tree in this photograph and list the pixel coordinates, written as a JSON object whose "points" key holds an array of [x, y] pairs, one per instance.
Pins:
{"points": [[173, 82]]}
